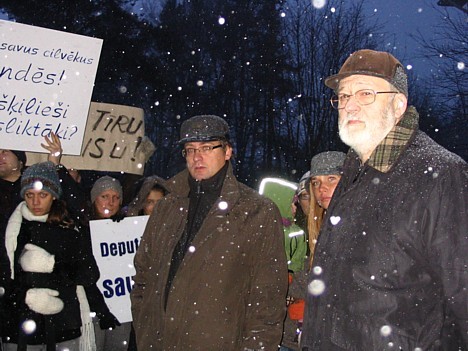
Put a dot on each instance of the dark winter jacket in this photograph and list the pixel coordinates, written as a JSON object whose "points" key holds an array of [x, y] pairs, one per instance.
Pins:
{"points": [[229, 291], [9, 199], [393, 255], [73, 266], [73, 192]]}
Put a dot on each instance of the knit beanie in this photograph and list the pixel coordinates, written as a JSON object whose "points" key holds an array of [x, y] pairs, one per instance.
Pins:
{"points": [[103, 184], [41, 176]]}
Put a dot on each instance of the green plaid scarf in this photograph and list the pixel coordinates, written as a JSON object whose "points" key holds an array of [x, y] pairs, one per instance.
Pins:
{"points": [[388, 151]]}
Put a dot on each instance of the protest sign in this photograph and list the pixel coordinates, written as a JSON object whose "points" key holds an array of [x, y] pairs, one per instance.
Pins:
{"points": [[114, 141], [114, 247], [46, 79]]}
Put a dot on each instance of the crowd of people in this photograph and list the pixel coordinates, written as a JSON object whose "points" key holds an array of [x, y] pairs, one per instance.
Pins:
{"points": [[381, 266]]}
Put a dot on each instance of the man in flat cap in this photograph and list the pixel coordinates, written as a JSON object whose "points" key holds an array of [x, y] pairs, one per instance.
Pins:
{"points": [[211, 272], [390, 266]]}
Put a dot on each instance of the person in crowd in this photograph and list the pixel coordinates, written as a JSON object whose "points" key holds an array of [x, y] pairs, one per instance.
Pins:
{"points": [[325, 173], [12, 164], [106, 199], [295, 231], [319, 185], [75, 174], [390, 263], [50, 265], [301, 202], [73, 192], [211, 273], [106, 203], [105, 321], [151, 191]]}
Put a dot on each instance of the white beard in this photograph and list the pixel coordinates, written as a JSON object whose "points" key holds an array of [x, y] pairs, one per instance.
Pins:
{"points": [[365, 140]]}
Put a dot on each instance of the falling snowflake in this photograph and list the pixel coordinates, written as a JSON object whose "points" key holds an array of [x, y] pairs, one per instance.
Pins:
{"points": [[38, 185], [319, 4], [29, 326], [316, 287], [386, 330]]}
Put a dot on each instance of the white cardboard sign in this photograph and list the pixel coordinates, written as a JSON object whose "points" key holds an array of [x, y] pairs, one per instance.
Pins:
{"points": [[114, 247], [46, 82]]}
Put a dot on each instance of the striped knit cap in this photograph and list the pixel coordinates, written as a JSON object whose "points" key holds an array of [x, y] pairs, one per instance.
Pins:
{"points": [[41, 176]]}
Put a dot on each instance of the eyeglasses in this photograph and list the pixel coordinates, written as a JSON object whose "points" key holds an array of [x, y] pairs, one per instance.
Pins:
{"points": [[363, 97], [189, 151]]}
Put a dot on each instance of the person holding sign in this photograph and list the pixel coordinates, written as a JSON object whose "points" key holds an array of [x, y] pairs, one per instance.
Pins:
{"points": [[106, 199], [106, 203], [50, 265], [106, 321], [211, 272], [76, 197]]}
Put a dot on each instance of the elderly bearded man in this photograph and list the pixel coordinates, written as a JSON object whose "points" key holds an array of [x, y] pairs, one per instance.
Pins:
{"points": [[390, 261]]}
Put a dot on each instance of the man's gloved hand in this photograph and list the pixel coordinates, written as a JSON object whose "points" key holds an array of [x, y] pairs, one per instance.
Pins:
{"points": [[108, 321], [44, 301], [36, 259]]}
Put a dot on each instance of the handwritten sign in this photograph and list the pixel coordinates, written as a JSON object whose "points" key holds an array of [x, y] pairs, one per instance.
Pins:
{"points": [[114, 141], [114, 247], [46, 80]]}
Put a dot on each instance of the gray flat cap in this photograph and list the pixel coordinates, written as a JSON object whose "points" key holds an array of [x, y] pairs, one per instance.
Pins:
{"points": [[204, 128], [328, 162]]}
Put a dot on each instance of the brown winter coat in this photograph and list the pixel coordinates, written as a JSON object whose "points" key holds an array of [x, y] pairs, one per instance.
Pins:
{"points": [[229, 293]]}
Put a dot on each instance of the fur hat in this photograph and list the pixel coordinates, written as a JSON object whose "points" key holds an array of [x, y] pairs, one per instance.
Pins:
{"points": [[103, 184], [372, 63], [204, 128], [41, 176], [328, 162]]}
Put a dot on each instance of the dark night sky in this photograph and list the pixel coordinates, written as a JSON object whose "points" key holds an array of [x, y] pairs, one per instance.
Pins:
{"points": [[405, 17]]}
